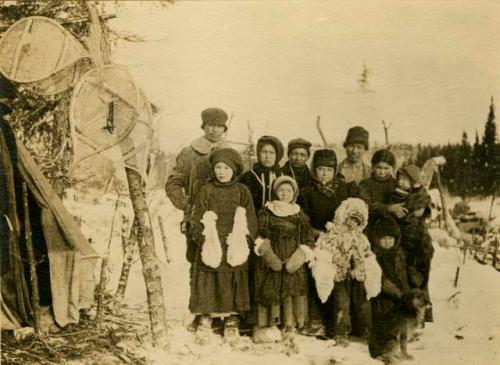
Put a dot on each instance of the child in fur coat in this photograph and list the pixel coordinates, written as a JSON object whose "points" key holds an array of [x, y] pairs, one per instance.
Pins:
{"points": [[342, 255], [223, 221], [283, 248]]}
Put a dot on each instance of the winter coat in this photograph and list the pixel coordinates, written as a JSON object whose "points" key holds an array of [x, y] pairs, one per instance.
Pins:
{"points": [[376, 194], [259, 181], [302, 175], [223, 220], [388, 308], [355, 172], [342, 254], [191, 171], [415, 239], [320, 201], [285, 235]]}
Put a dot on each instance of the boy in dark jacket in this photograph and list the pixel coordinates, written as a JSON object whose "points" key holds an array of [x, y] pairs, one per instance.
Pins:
{"points": [[395, 303], [296, 166], [319, 201], [415, 239]]}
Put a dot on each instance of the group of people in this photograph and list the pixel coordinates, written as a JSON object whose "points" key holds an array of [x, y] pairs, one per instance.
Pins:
{"points": [[333, 250]]}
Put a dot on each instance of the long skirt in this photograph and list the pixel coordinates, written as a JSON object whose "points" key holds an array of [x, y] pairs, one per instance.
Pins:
{"points": [[219, 292]]}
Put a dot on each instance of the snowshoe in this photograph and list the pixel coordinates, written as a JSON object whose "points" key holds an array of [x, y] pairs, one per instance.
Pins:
{"points": [[231, 332], [204, 330]]}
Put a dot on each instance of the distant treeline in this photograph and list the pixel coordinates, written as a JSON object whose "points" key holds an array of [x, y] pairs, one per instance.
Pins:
{"points": [[470, 170]]}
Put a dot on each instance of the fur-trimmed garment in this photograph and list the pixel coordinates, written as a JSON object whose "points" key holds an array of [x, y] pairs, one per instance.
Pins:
{"points": [[345, 250], [223, 221], [285, 233]]}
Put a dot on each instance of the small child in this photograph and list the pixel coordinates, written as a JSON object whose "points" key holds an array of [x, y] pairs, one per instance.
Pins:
{"points": [[343, 254], [283, 248], [395, 303], [415, 239], [223, 221]]}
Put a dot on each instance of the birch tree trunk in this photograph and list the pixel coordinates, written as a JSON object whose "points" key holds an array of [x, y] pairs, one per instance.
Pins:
{"points": [[164, 238], [150, 266], [128, 243]]}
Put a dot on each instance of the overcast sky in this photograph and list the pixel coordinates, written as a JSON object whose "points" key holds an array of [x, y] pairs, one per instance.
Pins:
{"points": [[278, 64]]}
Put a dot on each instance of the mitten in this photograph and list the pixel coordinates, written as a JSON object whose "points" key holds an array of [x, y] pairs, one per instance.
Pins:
{"points": [[301, 255], [263, 248]]}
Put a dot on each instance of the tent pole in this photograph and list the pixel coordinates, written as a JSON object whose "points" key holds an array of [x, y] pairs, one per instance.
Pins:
{"points": [[35, 295]]}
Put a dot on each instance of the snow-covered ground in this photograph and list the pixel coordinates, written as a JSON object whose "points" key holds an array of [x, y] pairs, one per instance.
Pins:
{"points": [[467, 318]]}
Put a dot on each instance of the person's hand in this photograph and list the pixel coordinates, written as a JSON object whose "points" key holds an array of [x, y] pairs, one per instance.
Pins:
{"points": [[398, 210]]}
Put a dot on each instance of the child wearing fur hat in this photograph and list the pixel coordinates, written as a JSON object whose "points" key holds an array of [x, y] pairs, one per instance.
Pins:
{"points": [[415, 239], [283, 247], [320, 200], [343, 254], [223, 221], [296, 166], [396, 302]]}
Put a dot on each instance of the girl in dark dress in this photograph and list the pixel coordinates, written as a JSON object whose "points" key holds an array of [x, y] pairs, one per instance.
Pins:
{"points": [[283, 248], [224, 219]]}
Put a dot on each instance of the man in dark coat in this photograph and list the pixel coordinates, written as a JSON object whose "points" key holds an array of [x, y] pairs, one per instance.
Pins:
{"points": [[296, 166], [192, 169]]}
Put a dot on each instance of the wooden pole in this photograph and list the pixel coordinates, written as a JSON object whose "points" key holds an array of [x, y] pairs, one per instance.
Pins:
{"points": [[318, 127], [495, 252], [35, 295], [164, 238]]}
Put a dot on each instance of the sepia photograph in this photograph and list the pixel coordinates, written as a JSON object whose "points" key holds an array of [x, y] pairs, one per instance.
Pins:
{"points": [[218, 182]]}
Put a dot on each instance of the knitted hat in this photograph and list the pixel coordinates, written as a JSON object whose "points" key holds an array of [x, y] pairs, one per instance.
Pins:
{"points": [[324, 157], [214, 116], [273, 141], [357, 135], [299, 143], [384, 226], [230, 157], [413, 172], [284, 179], [384, 156]]}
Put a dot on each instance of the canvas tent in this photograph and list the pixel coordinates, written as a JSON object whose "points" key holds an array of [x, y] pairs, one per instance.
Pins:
{"points": [[65, 259]]}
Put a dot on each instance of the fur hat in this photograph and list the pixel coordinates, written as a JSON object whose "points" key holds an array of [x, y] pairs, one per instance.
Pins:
{"points": [[384, 226], [284, 179], [352, 207], [230, 157], [273, 141], [384, 156], [324, 157], [214, 116], [357, 135], [299, 143], [413, 172]]}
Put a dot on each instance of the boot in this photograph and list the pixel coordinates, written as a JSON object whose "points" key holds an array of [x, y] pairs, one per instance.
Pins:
{"points": [[341, 340], [266, 334], [314, 329], [231, 332], [194, 324], [204, 330]]}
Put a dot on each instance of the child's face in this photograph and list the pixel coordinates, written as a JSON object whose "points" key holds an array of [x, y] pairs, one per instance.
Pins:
{"points": [[267, 155], [325, 174], [351, 223], [382, 170], [355, 151], [285, 193], [223, 172], [404, 182], [298, 156], [387, 242]]}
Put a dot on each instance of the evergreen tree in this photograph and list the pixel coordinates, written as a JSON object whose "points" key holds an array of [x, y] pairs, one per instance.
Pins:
{"points": [[476, 166], [490, 153], [463, 184]]}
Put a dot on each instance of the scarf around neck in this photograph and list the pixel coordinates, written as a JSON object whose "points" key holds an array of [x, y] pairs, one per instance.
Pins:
{"points": [[282, 209]]}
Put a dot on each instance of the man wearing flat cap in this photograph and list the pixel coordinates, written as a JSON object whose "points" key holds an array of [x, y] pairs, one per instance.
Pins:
{"points": [[190, 172], [296, 166], [354, 168]]}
